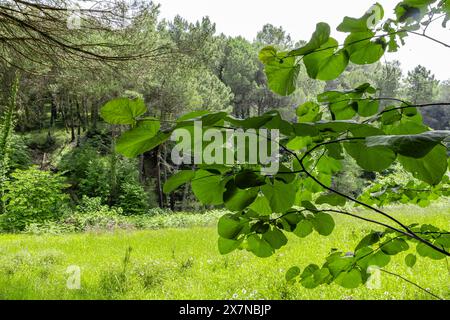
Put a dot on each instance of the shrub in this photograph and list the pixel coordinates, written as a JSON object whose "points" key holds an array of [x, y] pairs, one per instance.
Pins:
{"points": [[19, 157], [32, 196], [91, 214], [133, 199]]}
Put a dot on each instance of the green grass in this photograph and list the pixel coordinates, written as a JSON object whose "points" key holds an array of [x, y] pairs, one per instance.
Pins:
{"points": [[185, 264]]}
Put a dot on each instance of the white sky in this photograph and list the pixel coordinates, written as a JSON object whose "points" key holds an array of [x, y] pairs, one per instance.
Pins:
{"points": [[299, 18]]}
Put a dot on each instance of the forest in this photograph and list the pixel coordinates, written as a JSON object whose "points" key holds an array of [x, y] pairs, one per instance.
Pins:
{"points": [[93, 206]]}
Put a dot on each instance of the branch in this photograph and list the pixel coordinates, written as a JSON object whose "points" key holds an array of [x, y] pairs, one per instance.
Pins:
{"points": [[410, 282]]}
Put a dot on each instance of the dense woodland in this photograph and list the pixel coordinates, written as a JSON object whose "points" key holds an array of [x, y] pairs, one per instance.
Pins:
{"points": [[61, 76]]}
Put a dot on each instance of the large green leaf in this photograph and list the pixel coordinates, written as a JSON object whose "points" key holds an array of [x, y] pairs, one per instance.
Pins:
{"points": [[281, 196], [261, 206], [414, 145], [370, 239], [292, 273], [368, 107], [123, 110], [259, 246], [426, 251], [410, 260], [230, 226], [282, 73], [323, 223], [361, 24], [248, 179], [228, 245], [177, 180], [275, 238], [304, 228], [350, 279], [363, 50], [370, 159], [208, 188], [237, 199], [394, 246], [430, 168], [319, 37], [192, 115], [331, 199], [144, 137], [307, 276], [308, 112], [326, 63]]}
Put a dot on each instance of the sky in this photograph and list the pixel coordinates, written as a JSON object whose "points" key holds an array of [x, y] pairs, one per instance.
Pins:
{"points": [[299, 18]]}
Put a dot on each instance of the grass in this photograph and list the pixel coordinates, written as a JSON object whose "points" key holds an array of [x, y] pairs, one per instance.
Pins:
{"points": [[184, 264]]}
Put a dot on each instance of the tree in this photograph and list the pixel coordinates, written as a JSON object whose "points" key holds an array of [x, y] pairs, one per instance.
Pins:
{"points": [[271, 35], [421, 86]]}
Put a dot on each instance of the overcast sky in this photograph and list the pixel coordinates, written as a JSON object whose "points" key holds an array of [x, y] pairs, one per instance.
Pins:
{"points": [[299, 18]]}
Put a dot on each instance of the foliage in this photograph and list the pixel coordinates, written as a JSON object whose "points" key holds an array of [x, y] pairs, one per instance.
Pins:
{"points": [[90, 175], [336, 124], [32, 196]]}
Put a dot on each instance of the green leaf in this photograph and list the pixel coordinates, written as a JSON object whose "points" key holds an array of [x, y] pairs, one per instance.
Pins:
{"points": [[292, 273], [230, 226], [213, 118], [275, 238], [208, 187], [144, 137], [411, 11], [370, 159], [323, 223], [414, 145], [379, 259], [326, 63], [123, 111], [426, 251], [247, 179], [298, 143], [227, 245], [349, 280], [259, 246], [193, 115], [370, 239], [319, 37], [281, 196], [394, 246], [261, 206], [309, 112], [304, 228], [361, 24], [307, 276], [368, 107], [268, 54], [430, 168], [328, 165], [238, 199], [178, 179], [410, 260], [282, 74], [390, 115], [332, 199], [362, 50]]}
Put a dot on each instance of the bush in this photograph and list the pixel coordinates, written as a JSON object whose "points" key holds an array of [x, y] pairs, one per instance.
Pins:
{"points": [[96, 180], [19, 157], [90, 174], [91, 214], [32, 196]]}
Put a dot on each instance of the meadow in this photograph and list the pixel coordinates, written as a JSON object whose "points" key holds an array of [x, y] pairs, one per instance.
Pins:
{"points": [[184, 263]]}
